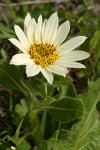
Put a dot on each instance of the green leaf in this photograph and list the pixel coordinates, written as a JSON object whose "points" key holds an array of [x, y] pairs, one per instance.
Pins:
{"points": [[4, 145], [24, 145], [42, 146], [6, 36], [37, 86], [53, 142], [21, 109], [61, 81], [4, 54], [21, 143], [66, 109], [41, 105], [94, 43], [9, 76], [85, 135]]}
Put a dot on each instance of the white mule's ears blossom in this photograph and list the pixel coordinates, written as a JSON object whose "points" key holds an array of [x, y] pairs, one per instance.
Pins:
{"points": [[43, 50]]}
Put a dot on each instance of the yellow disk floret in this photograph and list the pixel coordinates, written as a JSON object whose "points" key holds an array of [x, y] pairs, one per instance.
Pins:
{"points": [[43, 54]]}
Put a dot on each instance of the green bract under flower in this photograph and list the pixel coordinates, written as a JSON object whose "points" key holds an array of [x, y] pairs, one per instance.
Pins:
{"points": [[43, 49]]}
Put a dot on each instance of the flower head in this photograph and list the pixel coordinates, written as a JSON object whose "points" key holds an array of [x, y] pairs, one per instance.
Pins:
{"points": [[43, 50]]}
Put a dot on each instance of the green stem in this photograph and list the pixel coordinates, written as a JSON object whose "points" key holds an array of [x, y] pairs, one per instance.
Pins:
{"points": [[63, 91], [43, 122], [34, 124], [72, 87], [57, 133], [68, 90], [11, 103]]}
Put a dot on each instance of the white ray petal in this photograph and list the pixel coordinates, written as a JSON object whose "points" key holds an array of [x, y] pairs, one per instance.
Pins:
{"points": [[62, 33], [51, 29], [26, 22], [57, 69], [21, 36], [18, 44], [71, 44], [31, 30], [21, 59], [72, 64], [48, 75], [43, 28], [38, 34], [75, 55], [32, 70]]}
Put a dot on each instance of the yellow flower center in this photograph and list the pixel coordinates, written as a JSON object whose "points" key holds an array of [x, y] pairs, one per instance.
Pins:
{"points": [[43, 54]]}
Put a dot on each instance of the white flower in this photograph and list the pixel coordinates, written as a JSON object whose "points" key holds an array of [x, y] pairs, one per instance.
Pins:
{"points": [[43, 49]]}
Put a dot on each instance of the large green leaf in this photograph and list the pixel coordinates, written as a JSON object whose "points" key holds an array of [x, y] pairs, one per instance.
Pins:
{"points": [[10, 76], [86, 134], [66, 109]]}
